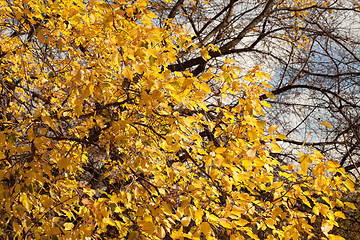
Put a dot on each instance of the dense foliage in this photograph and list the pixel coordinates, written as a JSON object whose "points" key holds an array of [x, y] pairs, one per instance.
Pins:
{"points": [[101, 138]]}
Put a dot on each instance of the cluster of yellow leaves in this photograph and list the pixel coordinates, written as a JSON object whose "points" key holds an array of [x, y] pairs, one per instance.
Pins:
{"points": [[178, 171]]}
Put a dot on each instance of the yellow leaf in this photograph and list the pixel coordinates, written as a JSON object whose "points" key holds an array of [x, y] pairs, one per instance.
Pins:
{"points": [[273, 128], [349, 184], [128, 72], [270, 95], [205, 88], [78, 108], [40, 37], [335, 237], [275, 147], [46, 201], [18, 14], [326, 228], [185, 221], [43, 131], [281, 136], [47, 120], [276, 212], [25, 202], [177, 234], [189, 121], [270, 223], [206, 76], [148, 227], [202, 105], [304, 160], [248, 78], [198, 215], [241, 222], [54, 231], [161, 233], [246, 163], [139, 68], [133, 235], [17, 228], [333, 164], [212, 218], [31, 134], [205, 228], [205, 54], [225, 223], [350, 205], [109, 221], [251, 153], [68, 226], [265, 104], [63, 163], [327, 124], [252, 135], [220, 150], [340, 215], [316, 210]]}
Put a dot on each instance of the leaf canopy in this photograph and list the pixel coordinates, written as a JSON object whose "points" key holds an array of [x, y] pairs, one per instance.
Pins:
{"points": [[99, 139]]}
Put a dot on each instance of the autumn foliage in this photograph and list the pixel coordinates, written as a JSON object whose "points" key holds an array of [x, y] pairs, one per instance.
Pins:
{"points": [[100, 140]]}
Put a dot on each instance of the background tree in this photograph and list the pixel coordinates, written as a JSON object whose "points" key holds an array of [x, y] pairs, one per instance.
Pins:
{"points": [[311, 48], [103, 135]]}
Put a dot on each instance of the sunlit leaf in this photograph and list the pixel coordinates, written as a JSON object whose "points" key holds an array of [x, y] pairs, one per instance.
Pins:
{"points": [[326, 124], [275, 147]]}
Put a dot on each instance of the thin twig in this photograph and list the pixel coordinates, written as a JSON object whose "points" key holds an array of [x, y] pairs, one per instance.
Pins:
{"points": [[351, 159]]}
